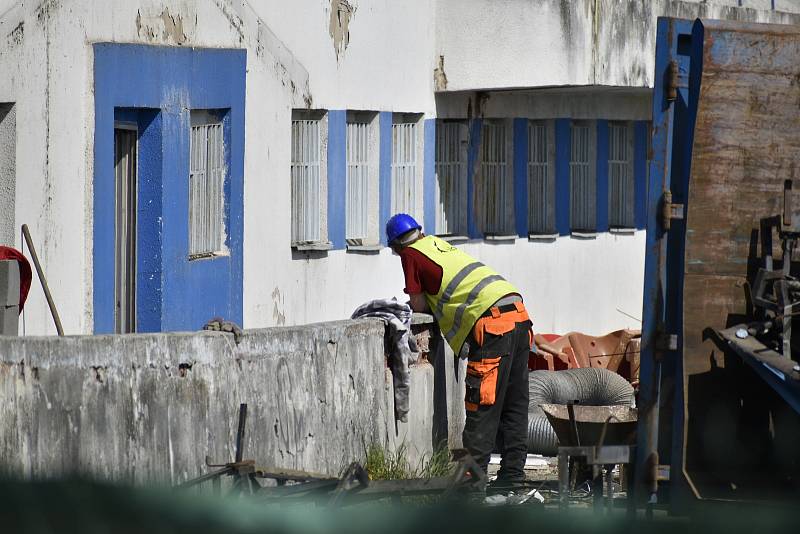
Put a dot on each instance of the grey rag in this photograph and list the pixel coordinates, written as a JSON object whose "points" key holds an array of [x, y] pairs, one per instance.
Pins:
{"points": [[397, 317]]}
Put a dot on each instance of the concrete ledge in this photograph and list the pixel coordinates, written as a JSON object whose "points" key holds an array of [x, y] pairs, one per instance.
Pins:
{"points": [[149, 408]]}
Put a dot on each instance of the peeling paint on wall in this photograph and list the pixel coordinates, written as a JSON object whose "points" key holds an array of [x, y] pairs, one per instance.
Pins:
{"points": [[278, 307], [439, 76], [173, 27], [342, 12], [165, 27]]}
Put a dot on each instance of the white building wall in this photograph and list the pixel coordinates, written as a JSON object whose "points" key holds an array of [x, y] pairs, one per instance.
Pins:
{"points": [[523, 43], [296, 59]]}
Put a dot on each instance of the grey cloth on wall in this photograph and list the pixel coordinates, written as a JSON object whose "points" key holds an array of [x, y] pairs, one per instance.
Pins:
{"points": [[400, 343]]}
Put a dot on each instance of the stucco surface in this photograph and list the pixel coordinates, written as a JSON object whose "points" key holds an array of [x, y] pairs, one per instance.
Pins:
{"points": [[151, 407], [569, 42]]}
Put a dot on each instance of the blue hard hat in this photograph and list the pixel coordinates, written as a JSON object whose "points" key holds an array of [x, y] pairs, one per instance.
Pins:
{"points": [[400, 224]]}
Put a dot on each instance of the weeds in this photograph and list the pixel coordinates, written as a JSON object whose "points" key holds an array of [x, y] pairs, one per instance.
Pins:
{"points": [[383, 464]]}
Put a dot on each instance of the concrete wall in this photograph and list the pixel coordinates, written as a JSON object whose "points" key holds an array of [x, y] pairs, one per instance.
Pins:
{"points": [[521, 43], [549, 103], [151, 407], [8, 178]]}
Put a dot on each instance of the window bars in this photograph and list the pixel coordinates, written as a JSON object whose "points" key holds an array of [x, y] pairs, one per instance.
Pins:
{"points": [[540, 180], [493, 194], [620, 175], [305, 169], [358, 186], [404, 168], [581, 180], [206, 191], [451, 174]]}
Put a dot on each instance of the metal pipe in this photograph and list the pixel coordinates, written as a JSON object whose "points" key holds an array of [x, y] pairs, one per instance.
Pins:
{"points": [[240, 432], [42, 279]]}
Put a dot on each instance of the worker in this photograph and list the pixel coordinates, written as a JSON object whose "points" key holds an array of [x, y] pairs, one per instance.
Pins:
{"points": [[483, 318]]}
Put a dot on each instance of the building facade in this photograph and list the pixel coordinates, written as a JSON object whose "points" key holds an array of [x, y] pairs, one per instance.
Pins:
{"points": [[179, 160]]}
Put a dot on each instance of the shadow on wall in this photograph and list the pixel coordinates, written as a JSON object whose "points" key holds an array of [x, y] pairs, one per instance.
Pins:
{"points": [[8, 154]]}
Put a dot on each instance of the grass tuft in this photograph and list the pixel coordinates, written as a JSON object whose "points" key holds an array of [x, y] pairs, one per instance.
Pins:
{"points": [[383, 464]]}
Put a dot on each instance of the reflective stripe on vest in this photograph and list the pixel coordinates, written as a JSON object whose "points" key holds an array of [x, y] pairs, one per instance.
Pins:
{"points": [[468, 289]]}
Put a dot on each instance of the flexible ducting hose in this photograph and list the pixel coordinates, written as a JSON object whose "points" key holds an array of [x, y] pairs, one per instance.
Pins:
{"points": [[589, 386]]}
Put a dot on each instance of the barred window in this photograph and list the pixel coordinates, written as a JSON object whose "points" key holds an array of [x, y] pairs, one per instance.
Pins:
{"points": [[582, 184], [451, 177], [541, 179], [362, 184], [493, 191], [206, 186], [405, 170], [620, 175], [307, 169]]}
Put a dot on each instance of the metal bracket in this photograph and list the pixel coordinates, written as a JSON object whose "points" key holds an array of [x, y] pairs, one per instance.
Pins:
{"points": [[672, 81], [670, 211], [676, 79], [666, 341]]}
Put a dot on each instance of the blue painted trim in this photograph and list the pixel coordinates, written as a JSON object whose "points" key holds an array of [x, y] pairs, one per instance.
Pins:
{"points": [[521, 176], [562, 175], [429, 175], [474, 146], [169, 82], [602, 176], [384, 172], [337, 178], [641, 134]]}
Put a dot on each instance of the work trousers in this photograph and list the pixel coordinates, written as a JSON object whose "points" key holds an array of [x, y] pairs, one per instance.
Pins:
{"points": [[496, 397]]}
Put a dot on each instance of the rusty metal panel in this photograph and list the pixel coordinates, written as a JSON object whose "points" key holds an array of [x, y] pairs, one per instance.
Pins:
{"points": [[742, 141], [746, 86]]}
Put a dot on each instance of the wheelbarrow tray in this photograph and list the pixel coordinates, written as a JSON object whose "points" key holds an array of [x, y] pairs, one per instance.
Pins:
{"points": [[590, 420]]}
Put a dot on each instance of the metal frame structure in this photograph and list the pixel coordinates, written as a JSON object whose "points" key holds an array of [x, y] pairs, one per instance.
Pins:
{"points": [[353, 486]]}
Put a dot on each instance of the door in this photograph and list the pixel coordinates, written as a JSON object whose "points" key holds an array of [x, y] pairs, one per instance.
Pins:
{"points": [[125, 165]]}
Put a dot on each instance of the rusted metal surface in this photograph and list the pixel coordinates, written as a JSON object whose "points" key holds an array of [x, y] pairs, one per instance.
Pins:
{"points": [[353, 486], [750, 347], [662, 276], [746, 143], [619, 423], [743, 136]]}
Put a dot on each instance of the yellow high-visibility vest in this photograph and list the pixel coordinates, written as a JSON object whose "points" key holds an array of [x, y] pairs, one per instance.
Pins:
{"points": [[468, 289]]}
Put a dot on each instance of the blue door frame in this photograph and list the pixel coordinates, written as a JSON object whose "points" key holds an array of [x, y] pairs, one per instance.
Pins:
{"points": [[157, 87]]}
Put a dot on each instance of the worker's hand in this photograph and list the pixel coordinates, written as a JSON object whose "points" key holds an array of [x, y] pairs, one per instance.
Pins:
{"points": [[218, 324]]}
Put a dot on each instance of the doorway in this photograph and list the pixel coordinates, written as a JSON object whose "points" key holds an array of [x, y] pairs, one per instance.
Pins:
{"points": [[125, 172]]}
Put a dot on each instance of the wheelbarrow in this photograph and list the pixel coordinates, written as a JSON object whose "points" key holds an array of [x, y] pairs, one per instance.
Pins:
{"points": [[603, 436]]}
